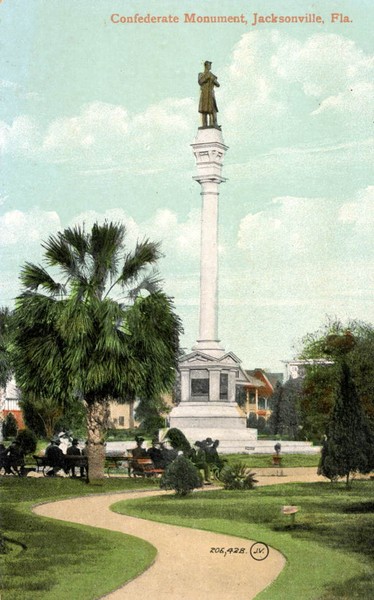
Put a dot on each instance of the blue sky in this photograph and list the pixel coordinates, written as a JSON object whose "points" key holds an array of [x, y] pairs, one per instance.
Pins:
{"points": [[96, 121]]}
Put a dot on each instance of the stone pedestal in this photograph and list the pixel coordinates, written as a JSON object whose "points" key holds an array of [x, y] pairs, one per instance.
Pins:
{"points": [[208, 407]]}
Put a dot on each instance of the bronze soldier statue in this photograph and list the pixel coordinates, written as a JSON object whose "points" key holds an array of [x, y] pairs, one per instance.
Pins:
{"points": [[207, 105]]}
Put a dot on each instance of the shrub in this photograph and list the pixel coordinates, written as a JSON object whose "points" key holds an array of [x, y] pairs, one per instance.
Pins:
{"points": [[10, 426], [182, 476], [178, 440], [237, 477], [261, 424], [252, 420], [27, 440]]}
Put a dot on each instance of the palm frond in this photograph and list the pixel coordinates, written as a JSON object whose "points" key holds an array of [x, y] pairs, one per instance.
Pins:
{"points": [[151, 283], [78, 239], [106, 243], [34, 277], [59, 254], [146, 253]]}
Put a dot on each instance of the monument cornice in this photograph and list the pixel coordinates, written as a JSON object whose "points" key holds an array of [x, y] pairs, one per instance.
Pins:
{"points": [[209, 179]]}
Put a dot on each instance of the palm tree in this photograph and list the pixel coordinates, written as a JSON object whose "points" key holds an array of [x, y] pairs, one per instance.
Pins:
{"points": [[5, 326], [86, 331]]}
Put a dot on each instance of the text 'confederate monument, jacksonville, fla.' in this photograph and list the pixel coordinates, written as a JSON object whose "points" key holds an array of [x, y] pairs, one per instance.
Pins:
{"points": [[209, 374]]}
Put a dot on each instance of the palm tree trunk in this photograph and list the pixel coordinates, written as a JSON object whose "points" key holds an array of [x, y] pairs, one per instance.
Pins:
{"points": [[131, 414], [97, 418]]}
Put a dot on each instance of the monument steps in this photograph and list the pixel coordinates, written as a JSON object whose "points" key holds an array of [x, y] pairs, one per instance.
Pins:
{"points": [[233, 441], [229, 444]]}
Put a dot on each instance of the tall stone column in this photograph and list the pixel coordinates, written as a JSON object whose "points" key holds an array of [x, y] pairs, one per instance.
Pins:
{"points": [[209, 151]]}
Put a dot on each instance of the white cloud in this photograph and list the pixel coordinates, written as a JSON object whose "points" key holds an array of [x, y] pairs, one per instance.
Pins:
{"points": [[8, 85], [27, 228], [96, 123], [178, 238], [289, 229], [107, 137], [273, 84], [181, 238], [275, 81], [323, 64], [21, 137], [309, 250]]}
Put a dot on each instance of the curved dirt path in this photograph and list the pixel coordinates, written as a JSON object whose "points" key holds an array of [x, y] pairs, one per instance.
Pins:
{"points": [[184, 568]]}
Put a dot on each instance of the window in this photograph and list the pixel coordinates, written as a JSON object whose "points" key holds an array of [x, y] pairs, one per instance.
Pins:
{"points": [[200, 384], [121, 421], [223, 386], [200, 387], [262, 403]]}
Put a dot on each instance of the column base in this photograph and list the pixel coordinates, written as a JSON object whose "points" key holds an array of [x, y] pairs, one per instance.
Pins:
{"points": [[211, 347]]}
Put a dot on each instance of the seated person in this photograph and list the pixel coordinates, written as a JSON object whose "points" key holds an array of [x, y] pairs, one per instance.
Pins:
{"points": [[168, 454], [155, 455], [55, 457], [3, 457], [14, 459], [73, 450], [139, 452]]}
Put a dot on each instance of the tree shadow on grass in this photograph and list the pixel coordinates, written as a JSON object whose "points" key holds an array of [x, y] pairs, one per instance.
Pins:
{"points": [[352, 533], [357, 588]]}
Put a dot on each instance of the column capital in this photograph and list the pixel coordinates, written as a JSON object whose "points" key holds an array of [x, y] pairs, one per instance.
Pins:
{"points": [[209, 179]]}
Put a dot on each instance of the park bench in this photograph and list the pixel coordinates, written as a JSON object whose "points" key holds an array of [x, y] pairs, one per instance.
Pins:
{"points": [[42, 462], [117, 461], [144, 467], [17, 466]]}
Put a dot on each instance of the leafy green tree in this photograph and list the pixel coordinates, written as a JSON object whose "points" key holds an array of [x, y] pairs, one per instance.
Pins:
{"points": [[10, 426], [73, 419], [252, 420], [317, 400], [349, 444], [46, 416], [27, 440], [149, 413], [178, 440], [41, 414], [84, 330], [284, 403], [353, 340]]}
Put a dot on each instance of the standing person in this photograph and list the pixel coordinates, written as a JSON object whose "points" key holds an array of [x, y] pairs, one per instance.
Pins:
{"points": [[208, 105], [200, 461], [85, 453], [73, 450]]}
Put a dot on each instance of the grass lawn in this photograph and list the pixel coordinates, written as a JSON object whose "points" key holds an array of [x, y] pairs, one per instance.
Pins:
{"points": [[49, 559], [328, 551], [257, 461]]}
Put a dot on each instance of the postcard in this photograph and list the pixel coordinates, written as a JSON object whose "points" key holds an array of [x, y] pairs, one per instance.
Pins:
{"points": [[101, 117]]}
